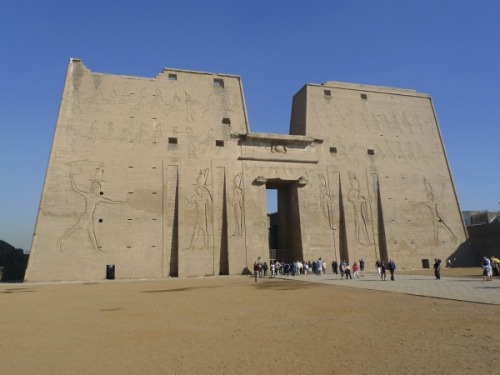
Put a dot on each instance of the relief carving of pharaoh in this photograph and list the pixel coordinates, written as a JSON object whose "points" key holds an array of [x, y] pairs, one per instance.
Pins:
{"points": [[360, 205], [202, 201]]}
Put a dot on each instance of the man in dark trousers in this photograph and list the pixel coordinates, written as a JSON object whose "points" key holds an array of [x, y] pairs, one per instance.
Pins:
{"points": [[437, 268], [392, 267], [335, 267], [382, 270]]}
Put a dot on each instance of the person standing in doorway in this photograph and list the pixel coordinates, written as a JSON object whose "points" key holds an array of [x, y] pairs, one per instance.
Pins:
{"points": [[265, 268]]}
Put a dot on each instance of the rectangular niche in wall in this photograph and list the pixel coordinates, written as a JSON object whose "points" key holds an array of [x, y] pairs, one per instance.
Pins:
{"points": [[219, 82]]}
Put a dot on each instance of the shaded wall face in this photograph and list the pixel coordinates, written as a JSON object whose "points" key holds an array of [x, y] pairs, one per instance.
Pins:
{"points": [[284, 240], [485, 241], [298, 119], [288, 220]]}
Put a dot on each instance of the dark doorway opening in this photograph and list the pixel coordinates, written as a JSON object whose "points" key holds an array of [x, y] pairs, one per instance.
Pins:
{"points": [[285, 239]]}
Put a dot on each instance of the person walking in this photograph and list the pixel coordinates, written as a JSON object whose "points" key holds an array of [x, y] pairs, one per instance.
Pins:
{"points": [[486, 269], [348, 272], [382, 270], [319, 266], [335, 267], [392, 267], [361, 267], [256, 271], [355, 270], [342, 269], [495, 265], [378, 266], [437, 268]]}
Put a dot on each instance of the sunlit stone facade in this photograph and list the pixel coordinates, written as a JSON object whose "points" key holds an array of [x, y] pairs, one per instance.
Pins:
{"points": [[161, 177]]}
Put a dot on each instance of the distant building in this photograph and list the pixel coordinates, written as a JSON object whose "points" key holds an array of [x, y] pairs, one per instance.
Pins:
{"points": [[13, 262], [483, 228], [480, 217], [159, 177]]}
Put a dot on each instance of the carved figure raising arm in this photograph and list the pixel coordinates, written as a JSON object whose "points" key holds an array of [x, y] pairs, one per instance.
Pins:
{"points": [[85, 222]]}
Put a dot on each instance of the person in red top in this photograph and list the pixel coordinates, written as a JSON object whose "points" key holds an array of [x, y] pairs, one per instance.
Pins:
{"points": [[355, 270]]}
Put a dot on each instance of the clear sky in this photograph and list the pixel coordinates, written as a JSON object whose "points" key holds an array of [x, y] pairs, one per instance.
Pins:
{"points": [[449, 49]]}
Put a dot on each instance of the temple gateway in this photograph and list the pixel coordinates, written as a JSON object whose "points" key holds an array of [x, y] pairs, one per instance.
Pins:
{"points": [[162, 177]]}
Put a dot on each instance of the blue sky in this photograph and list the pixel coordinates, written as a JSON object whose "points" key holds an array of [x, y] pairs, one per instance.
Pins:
{"points": [[449, 49]]}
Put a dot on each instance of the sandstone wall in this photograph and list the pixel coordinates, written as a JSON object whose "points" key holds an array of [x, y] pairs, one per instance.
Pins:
{"points": [[162, 177]]}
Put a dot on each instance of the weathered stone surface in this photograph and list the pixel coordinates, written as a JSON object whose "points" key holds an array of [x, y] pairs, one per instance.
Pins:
{"points": [[162, 177]]}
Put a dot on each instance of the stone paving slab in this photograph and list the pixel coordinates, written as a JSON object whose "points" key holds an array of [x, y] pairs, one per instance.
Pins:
{"points": [[455, 288]]}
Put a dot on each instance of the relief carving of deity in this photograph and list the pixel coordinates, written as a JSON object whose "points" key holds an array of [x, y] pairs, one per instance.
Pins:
{"points": [[202, 201], [236, 202], [433, 202], [326, 203], [360, 205]]}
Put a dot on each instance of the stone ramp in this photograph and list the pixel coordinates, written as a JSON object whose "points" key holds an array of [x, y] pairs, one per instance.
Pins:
{"points": [[469, 289]]}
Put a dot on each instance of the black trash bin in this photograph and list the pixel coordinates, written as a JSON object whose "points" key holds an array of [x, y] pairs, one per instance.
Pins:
{"points": [[425, 263], [110, 272]]}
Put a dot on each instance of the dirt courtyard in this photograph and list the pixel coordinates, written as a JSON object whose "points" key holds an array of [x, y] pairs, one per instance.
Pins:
{"points": [[232, 325]]}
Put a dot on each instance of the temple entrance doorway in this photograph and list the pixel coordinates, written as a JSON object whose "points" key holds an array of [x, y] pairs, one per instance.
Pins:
{"points": [[285, 241]]}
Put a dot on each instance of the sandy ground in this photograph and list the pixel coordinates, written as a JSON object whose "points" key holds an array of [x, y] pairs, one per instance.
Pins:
{"points": [[231, 325]]}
